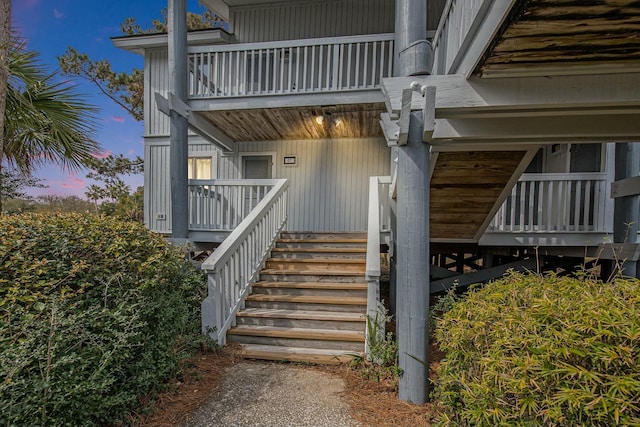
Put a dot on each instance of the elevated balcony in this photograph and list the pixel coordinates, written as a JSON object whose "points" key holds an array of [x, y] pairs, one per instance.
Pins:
{"points": [[275, 90]]}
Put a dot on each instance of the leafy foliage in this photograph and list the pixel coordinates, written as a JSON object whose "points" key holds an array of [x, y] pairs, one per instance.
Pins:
{"points": [[542, 351], [205, 20], [114, 194], [95, 313], [13, 185], [127, 89], [45, 121], [383, 350]]}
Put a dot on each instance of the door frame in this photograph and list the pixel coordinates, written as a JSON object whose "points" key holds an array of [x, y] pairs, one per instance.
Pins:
{"points": [[271, 154]]}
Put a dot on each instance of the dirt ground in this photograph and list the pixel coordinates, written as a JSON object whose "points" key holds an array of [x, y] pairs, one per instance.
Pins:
{"points": [[366, 402]]}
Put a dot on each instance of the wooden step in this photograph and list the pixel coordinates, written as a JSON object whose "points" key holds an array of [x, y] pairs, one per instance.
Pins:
{"points": [[329, 261], [313, 285], [308, 303], [323, 241], [302, 319], [276, 271], [319, 252], [323, 276], [302, 314], [309, 299], [323, 250], [343, 340], [297, 354], [344, 289], [298, 235], [301, 333], [304, 265]]}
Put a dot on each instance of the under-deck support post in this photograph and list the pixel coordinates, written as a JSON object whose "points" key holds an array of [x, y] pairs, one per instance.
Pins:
{"points": [[179, 148], [412, 264], [627, 208], [413, 55]]}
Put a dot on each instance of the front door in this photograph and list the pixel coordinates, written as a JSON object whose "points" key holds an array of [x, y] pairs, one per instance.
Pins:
{"points": [[255, 167]]}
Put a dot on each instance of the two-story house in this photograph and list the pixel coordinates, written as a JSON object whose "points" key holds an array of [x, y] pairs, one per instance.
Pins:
{"points": [[303, 157]]}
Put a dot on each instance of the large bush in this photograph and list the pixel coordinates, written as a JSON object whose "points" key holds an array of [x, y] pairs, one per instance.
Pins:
{"points": [[94, 313], [534, 351]]}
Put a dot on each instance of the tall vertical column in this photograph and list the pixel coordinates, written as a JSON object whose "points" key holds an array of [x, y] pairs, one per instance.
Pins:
{"points": [[412, 264], [179, 148], [627, 209], [412, 228]]}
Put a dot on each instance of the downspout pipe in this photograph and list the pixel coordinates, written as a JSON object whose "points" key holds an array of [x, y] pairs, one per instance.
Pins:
{"points": [[413, 53]]}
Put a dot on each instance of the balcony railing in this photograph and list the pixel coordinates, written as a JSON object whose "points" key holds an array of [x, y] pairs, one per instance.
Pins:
{"points": [[220, 205], [567, 203], [291, 66]]}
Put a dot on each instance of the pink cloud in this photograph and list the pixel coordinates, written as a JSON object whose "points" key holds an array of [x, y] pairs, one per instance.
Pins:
{"points": [[103, 155], [57, 14], [117, 119], [131, 152], [72, 182]]}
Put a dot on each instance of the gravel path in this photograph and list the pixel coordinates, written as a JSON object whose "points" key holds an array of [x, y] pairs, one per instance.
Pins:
{"points": [[259, 394]]}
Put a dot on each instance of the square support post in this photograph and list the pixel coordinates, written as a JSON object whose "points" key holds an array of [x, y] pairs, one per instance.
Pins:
{"points": [[179, 137], [412, 263], [627, 208]]}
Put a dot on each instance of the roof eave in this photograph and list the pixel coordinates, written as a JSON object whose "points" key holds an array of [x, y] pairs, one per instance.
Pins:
{"points": [[139, 43]]}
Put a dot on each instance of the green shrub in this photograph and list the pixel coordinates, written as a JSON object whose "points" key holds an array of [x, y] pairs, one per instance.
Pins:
{"points": [[534, 351], [94, 313]]}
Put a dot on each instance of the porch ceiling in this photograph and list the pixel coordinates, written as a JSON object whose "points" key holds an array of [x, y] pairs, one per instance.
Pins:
{"points": [[269, 124], [559, 37]]}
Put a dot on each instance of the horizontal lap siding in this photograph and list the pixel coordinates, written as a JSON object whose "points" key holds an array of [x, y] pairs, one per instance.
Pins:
{"points": [[313, 19]]}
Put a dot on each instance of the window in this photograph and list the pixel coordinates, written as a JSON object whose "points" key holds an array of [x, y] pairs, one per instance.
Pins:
{"points": [[200, 167]]}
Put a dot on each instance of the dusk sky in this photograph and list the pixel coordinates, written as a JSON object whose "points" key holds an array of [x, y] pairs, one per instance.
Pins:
{"points": [[49, 27]]}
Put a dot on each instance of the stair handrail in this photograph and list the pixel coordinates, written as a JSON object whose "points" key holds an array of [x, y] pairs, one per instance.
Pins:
{"points": [[234, 266], [372, 269]]}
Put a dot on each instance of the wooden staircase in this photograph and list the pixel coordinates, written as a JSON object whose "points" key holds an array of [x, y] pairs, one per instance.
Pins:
{"points": [[310, 302]]}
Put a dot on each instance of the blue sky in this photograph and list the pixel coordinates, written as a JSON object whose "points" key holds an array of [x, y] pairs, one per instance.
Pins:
{"points": [[49, 27]]}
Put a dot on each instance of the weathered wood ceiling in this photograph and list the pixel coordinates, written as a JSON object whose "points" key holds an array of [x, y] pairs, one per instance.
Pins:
{"points": [[565, 34], [464, 188], [338, 121]]}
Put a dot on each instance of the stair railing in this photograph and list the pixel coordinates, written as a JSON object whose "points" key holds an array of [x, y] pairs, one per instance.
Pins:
{"points": [[378, 222], [235, 265]]}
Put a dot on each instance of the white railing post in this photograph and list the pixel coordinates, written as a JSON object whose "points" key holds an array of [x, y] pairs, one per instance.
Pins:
{"points": [[372, 269], [211, 309]]}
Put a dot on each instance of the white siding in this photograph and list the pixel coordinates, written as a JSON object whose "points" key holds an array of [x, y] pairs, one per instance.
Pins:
{"points": [[158, 179], [305, 20], [156, 189], [328, 188], [156, 79]]}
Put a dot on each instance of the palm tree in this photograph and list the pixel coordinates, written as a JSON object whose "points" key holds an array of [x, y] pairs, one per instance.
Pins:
{"points": [[45, 121]]}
